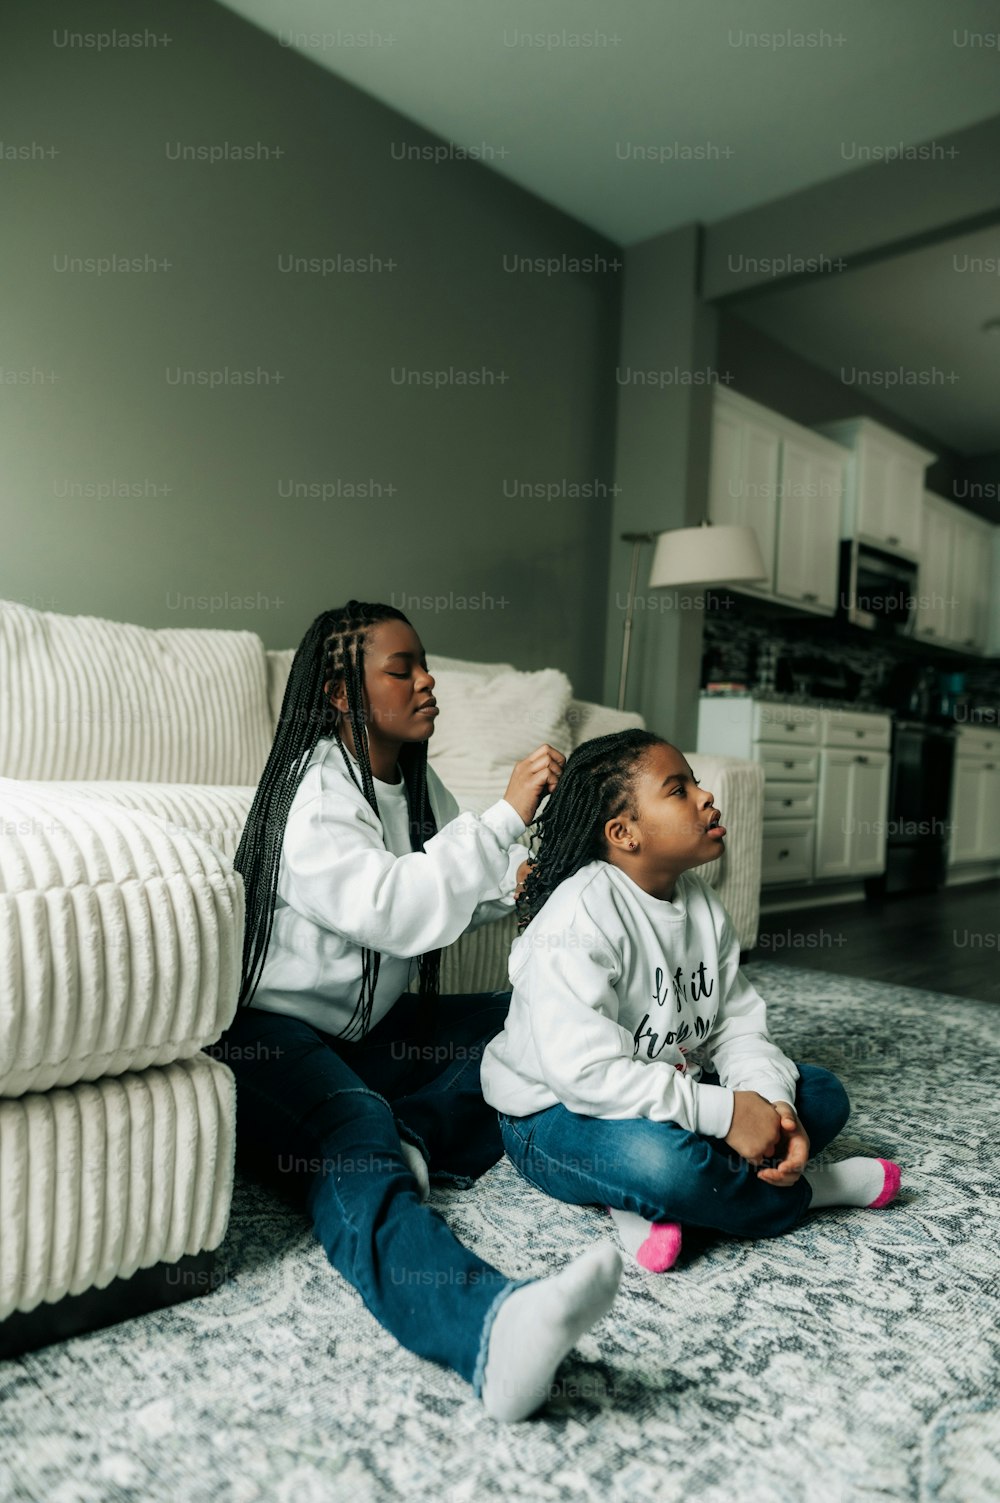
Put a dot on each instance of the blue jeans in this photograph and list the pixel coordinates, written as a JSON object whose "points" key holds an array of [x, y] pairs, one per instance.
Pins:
{"points": [[320, 1120], [663, 1171]]}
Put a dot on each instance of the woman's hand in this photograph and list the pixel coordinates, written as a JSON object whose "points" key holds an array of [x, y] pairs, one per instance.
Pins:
{"points": [[522, 877], [755, 1133], [533, 778], [794, 1149]]}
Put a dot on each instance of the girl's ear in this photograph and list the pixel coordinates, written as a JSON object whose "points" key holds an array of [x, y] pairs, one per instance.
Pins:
{"points": [[336, 692], [618, 835]]}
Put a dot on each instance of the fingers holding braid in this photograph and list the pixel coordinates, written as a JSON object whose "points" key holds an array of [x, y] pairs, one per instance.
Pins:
{"points": [[534, 777]]}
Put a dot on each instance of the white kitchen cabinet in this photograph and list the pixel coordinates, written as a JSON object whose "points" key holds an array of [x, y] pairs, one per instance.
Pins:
{"points": [[786, 483], [953, 594], [743, 483], [968, 791], [826, 782], [833, 836], [991, 812], [970, 580], [726, 469], [869, 808], [993, 597], [884, 484], [810, 495], [851, 819], [975, 799], [933, 615]]}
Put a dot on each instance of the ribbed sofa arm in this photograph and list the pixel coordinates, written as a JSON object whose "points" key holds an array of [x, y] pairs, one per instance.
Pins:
{"points": [[477, 962], [738, 786]]}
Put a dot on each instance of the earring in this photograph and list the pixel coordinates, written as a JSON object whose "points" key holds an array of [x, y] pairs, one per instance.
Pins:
{"points": [[631, 845]]}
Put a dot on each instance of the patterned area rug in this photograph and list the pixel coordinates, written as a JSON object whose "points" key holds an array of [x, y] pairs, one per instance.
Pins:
{"points": [[853, 1359]]}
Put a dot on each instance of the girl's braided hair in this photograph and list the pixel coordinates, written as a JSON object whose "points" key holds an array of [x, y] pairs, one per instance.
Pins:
{"points": [[596, 785], [332, 648]]}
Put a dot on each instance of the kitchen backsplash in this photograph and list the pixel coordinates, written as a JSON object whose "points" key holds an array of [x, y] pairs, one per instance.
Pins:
{"points": [[821, 658]]}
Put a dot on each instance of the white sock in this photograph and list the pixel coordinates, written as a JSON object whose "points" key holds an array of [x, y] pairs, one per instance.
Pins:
{"points": [[655, 1245], [417, 1165], [538, 1324], [853, 1182]]}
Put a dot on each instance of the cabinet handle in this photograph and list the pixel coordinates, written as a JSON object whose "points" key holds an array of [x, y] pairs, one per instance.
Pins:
{"points": [[930, 631], [989, 766], [809, 595], [969, 642], [788, 764], [783, 854], [891, 539], [790, 728], [786, 803], [859, 758], [858, 733]]}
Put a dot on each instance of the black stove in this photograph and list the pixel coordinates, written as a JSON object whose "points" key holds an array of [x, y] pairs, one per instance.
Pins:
{"points": [[916, 848]]}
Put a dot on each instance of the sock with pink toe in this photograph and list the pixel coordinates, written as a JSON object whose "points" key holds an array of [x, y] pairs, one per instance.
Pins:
{"points": [[854, 1182], [655, 1245]]}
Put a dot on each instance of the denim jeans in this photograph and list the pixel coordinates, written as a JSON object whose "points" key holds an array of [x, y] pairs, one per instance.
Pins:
{"points": [[320, 1120], [663, 1171]]}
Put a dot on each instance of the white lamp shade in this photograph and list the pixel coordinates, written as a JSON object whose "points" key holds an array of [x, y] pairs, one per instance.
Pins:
{"points": [[706, 555]]}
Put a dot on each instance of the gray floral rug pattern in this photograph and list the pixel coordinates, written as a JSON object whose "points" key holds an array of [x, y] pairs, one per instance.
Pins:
{"points": [[853, 1359]]}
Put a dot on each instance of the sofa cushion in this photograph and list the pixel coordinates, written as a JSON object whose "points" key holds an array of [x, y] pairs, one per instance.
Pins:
{"points": [[438, 664], [215, 813], [99, 1180], [279, 666], [587, 721], [488, 724], [81, 697], [121, 939]]}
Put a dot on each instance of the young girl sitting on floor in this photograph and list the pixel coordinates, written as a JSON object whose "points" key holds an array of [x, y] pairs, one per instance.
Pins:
{"points": [[626, 985], [351, 1090]]}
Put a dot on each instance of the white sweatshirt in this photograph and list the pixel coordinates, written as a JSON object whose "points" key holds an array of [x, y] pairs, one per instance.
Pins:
{"points": [[349, 880], [614, 990]]}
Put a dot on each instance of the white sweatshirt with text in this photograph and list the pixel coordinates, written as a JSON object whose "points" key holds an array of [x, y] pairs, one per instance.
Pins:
{"points": [[615, 993]]}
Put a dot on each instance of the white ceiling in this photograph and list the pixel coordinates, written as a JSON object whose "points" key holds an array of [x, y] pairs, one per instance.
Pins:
{"points": [[669, 72], [915, 322]]}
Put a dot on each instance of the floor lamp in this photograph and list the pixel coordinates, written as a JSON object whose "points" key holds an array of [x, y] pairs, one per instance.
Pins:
{"points": [[690, 556]]}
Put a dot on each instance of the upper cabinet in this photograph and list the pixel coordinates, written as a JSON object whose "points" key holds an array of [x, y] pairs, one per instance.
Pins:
{"points": [[802, 491], [884, 485], [953, 601], [786, 483]]}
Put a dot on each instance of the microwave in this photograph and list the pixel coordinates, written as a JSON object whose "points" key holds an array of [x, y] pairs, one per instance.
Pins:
{"points": [[878, 589]]}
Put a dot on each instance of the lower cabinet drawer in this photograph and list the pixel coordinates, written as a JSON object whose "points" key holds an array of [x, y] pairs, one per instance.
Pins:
{"points": [[787, 854], [789, 800], [782, 765]]}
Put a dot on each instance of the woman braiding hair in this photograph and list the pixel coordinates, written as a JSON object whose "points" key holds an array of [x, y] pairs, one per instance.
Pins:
{"points": [[332, 649], [352, 1090]]}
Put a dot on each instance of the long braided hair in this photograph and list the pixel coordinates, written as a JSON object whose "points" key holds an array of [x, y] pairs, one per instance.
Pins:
{"points": [[596, 785], [332, 649]]}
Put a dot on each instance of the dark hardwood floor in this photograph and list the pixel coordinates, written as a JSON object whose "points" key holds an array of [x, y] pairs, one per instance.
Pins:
{"points": [[947, 941]]}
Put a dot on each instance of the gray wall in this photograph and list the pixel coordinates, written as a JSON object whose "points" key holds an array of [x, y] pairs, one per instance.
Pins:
{"points": [[665, 373], [203, 535]]}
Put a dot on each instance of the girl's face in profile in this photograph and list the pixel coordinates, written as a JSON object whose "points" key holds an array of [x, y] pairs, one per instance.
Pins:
{"points": [[399, 691], [673, 822]]}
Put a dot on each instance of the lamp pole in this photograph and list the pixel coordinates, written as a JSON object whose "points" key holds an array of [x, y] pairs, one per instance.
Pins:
{"points": [[636, 539]]}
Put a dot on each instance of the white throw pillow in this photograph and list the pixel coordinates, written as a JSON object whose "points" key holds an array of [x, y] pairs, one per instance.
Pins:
{"points": [[488, 724], [438, 665], [81, 697]]}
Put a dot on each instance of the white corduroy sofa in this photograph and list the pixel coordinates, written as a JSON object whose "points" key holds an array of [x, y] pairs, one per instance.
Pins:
{"points": [[128, 762]]}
